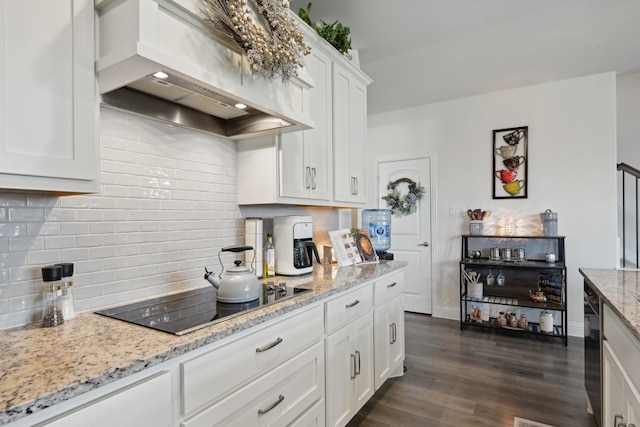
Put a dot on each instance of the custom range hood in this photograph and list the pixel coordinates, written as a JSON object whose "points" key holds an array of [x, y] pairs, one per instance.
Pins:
{"points": [[158, 59]]}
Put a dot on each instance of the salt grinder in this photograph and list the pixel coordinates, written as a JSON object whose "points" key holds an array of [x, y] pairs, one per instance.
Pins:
{"points": [[66, 297]]}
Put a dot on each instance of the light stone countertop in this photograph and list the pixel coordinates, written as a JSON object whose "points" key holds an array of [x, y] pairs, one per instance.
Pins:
{"points": [[40, 367], [618, 289]]}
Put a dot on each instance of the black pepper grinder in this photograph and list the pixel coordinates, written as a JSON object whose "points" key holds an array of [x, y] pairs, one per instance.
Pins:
{"points": [[51, 310]]}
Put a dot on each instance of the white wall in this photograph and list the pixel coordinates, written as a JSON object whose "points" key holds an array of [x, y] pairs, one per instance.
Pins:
{"points": [[628, 112], [628, 115], [572, 150], [167, 204]]}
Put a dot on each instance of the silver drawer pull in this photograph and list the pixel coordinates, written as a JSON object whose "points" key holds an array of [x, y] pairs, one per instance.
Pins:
{"points": [[269, 346], [273, 405], [353, 366], [356, 302], [391, 285], [358, 357]]}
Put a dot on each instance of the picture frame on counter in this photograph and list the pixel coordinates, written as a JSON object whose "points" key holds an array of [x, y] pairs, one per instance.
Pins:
{"points": [[510, 163]]}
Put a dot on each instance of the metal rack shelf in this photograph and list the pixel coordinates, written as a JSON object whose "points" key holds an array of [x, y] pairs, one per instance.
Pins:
{"points": [[521, 277]]}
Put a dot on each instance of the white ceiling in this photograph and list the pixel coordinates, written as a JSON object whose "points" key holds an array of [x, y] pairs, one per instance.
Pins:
{"points": [[424, 51]]}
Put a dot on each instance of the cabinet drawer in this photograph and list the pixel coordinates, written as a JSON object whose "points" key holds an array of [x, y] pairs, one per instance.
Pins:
{"points": [[276, 399], [387, 287], [144, 403], [209, 376], [313, 417], [623, 343], [347, 307]]}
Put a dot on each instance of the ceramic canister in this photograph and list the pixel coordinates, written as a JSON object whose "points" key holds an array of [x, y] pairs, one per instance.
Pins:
{"points": [[546, 321]]}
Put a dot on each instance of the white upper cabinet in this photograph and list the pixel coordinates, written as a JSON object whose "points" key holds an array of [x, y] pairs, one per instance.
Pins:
{"points": [[48, 101], [321, 166], [306, 169], [349, 135]]}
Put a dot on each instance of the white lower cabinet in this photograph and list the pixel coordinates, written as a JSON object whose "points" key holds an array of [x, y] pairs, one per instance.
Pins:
{"points": [[146, 403], [349, 370], [388, 340], [275, 399], [388, 327], [210, 376], [620, 355]]}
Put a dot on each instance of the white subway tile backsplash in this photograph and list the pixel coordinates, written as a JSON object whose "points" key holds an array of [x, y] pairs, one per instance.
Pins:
{"points": [[13, 200], [89, 240], [43, 257], [59, 242], [26, 214], [167, 205], [43, 229]]}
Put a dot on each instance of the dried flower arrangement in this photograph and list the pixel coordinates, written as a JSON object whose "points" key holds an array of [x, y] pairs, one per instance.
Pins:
{"points": [[274, 48]]}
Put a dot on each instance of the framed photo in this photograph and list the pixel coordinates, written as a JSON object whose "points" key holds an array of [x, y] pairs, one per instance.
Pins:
{"points": [[510, 163]]}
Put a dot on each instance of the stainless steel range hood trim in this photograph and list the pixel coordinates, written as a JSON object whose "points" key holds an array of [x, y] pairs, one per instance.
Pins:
{"points": [[144, 105]]}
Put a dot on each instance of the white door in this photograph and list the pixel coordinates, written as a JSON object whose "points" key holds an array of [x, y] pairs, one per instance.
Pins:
{"points": [[411, 234]]}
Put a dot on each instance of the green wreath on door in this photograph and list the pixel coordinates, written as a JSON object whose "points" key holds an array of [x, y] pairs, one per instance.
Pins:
{"points": [[403, 204]]}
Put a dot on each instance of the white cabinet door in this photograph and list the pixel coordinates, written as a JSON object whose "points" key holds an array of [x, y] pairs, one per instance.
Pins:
{"points": [[349, 134], [305, 169], [349, 375], [318, 141], [613, 388], [633, 405], [48, 102], [362, 332], [147, 403], [388, 340]]}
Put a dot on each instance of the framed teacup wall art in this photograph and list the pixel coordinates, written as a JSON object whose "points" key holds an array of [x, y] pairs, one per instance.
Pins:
{"points": [[510, 163]]}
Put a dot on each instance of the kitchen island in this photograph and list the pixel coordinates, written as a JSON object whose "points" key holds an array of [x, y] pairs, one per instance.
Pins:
{"points": [[612, 345], [50, 367], [618, 289]]}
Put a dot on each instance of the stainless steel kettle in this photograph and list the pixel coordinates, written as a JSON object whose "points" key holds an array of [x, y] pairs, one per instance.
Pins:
{"points": [[239, 284]]}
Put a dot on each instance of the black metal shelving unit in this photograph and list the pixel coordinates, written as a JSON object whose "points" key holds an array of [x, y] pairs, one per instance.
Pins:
{"points": [[521, 276]]}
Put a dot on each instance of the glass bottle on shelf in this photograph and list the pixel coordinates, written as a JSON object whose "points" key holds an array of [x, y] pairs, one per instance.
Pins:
{"points": [[502, 320], [500, 278], [513, 321], [490, 278], [522, 323]]}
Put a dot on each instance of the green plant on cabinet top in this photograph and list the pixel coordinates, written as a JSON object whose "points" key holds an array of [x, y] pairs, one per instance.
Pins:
{"points": [[336, 34]]}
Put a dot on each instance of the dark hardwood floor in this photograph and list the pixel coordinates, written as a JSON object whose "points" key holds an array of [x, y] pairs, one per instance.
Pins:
{"points": [[480, 378]]}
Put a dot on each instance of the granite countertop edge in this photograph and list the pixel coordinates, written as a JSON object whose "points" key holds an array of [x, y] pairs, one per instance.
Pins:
{"points": [[171, 346], [618, 288]]}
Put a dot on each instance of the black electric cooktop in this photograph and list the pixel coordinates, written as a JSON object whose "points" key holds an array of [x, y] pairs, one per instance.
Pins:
{"points": [[188, 311]]}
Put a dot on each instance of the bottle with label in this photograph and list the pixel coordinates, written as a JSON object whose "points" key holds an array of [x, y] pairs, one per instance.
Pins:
{"points": [[269, 258], [378, 222]]}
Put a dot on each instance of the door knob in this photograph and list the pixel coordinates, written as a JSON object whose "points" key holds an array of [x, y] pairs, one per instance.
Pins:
{"points": [[425, 244]]}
